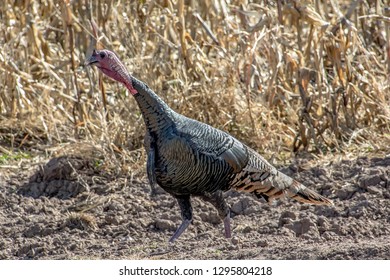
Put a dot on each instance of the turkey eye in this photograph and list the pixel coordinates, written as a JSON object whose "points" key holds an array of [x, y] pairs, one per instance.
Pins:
{"points": [[102, 55]]}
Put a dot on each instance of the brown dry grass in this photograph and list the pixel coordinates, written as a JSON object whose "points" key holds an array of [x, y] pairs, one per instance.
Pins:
{"points": [[280, 75]]}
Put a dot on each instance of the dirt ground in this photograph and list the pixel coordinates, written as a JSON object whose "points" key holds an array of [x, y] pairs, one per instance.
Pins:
{"points": [[66, 208]]}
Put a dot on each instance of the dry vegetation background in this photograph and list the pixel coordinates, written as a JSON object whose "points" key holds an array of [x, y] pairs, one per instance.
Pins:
{"points": [[283, 76]]}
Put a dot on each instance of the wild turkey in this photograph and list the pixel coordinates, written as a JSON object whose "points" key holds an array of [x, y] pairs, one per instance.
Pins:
{"points": [[187, 157]]}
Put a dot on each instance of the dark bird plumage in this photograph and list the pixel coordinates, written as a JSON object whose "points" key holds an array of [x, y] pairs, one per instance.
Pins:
{"points": [[187, 157]]}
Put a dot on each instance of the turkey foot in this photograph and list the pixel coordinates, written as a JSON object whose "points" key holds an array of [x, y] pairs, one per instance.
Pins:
{"points": [[186, 215], [180, 230]]}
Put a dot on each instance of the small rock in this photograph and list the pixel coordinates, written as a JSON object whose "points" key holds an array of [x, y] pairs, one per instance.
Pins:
{"points": [[165, 225], [288, 214], [164, 216], [247, 229], [346, 192], [262, 243], [374, 190], [325, 210], [372, 180], [210, 217], [33, 231], [240, 206], [112, 219], [302, 226], [116, 206], [235, 240], [285, 221]]}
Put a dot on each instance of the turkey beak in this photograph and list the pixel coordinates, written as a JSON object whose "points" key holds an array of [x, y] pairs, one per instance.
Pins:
{"points": [[92, 59]]}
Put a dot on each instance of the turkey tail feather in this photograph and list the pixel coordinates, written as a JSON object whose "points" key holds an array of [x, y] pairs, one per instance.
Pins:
{"points": [[300, 193], [272, 186]]}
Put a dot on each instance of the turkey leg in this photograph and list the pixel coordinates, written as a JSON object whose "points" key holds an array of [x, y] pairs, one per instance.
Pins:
{"points": [[186, 214], [226, 223], [219, 202]]}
